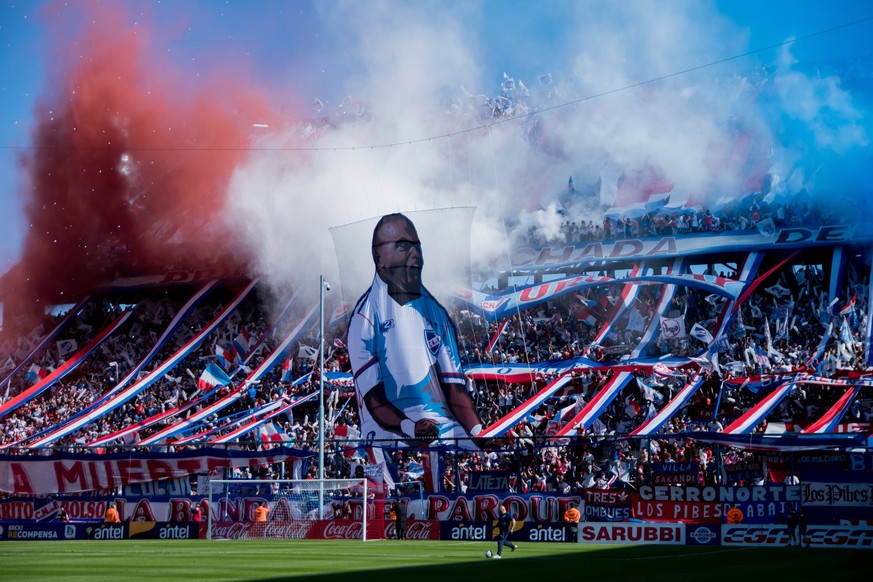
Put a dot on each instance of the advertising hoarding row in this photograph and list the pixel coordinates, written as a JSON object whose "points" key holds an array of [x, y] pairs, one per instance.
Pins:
{"points": [[832, 536]]}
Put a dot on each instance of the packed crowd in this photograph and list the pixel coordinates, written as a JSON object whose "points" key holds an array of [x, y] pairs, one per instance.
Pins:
{"points": [[757, 211], [104, 369], [778, 329]]}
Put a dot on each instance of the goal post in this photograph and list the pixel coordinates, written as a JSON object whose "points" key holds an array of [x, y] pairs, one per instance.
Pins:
{"points": [[294, 509]]}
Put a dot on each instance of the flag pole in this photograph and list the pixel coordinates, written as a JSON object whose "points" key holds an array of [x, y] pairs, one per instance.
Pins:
{"points": [[322, 287]]}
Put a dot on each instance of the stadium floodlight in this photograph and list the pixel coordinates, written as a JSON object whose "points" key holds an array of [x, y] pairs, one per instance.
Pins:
{"points": [[322, 287]]}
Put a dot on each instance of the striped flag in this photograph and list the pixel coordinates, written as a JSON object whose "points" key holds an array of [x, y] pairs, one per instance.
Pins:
{"points": [[302, 379], [664, 371], [761, 357], [849, 307], [500, 329], [242, 342], [212, 376], [414, 471], [271, 432], [35, 374], [227, 356], [219, 356], [286, 370]]}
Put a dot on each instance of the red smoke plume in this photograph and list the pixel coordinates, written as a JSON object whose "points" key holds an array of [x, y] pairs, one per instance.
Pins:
{"points": [[130, 168]]}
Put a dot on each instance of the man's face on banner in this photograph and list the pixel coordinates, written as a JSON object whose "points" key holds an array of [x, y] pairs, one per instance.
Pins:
{"points": [[397, 252]]}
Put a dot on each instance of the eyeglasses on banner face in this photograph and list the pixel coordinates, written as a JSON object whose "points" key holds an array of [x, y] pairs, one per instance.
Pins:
{"points": [[403, 245]]}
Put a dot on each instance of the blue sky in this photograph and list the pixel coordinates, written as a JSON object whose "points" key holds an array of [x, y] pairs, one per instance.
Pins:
{"points": [[325, 50]]}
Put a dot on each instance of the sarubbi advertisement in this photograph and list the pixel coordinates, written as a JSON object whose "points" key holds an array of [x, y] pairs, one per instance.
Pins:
{"points": [[632, 533]]}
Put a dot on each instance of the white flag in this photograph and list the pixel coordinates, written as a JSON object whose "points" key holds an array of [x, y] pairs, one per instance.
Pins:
{"points": [[777, 290], [672, 327], [635, 321], [701, 333], [307, 352], [67, 347]]}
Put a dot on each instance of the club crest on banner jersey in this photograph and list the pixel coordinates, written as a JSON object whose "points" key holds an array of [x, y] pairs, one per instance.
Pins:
{"points": [[433, 341]]}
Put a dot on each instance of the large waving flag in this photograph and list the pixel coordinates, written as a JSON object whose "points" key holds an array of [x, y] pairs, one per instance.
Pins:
{"points": [[503, 425], [212, 376], [598, 403], [748, 421], [829, 420], [651, 425]]}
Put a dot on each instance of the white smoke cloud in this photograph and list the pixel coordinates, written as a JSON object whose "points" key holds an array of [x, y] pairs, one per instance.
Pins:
{"points": [[417, 84]]}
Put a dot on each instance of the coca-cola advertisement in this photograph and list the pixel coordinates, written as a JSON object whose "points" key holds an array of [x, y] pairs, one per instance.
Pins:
{"points": [[340, 529], [242, 530], [416, 529], [347, 529]]}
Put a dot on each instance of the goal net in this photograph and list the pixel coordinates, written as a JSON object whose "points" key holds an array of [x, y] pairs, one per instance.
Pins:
{"points": [[294, 509]]}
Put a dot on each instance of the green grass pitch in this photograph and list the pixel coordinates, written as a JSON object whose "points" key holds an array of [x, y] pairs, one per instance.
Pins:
{"points": [[416, 561]]}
